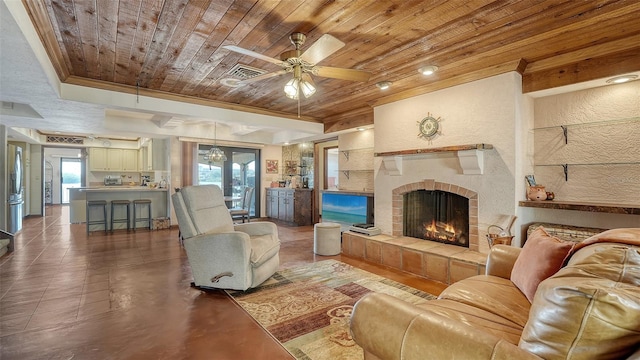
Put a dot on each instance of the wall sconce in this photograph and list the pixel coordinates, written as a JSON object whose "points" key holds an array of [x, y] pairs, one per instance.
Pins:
{"points": [[428, 70], [384, 85]]}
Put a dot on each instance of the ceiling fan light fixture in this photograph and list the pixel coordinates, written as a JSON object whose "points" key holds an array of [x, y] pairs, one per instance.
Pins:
{"points": [[384, 85], [428, 70], [291, 88], [621, 79], [307, 86]]}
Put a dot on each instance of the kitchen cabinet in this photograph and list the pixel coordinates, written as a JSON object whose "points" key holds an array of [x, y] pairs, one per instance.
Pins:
{"points": [[129, 160], [104, 159], [290, 205], [114, 159], [98, 159]]}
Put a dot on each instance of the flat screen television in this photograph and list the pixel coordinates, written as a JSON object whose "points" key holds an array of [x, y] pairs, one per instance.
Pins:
{"points": [[347, 209]]}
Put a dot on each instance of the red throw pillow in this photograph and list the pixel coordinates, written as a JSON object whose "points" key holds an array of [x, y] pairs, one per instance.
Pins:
{"points": [[541, 256]]}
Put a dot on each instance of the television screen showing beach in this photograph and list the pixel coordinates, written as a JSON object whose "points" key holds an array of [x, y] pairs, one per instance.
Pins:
{"points": [[350, 209]]}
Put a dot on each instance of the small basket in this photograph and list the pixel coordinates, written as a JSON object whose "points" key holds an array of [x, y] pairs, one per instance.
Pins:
{"points": [[496, 235]]}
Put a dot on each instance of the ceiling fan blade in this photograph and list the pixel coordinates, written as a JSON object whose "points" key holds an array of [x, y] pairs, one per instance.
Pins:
{"points": [[264, 76], [322, 48], [340, 73], [253, 54]]}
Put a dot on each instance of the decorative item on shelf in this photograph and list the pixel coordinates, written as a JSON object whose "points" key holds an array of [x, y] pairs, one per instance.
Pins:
{"points": [[429, 127], [215, 154], [536, 193], [531, 180], [550, 195]]}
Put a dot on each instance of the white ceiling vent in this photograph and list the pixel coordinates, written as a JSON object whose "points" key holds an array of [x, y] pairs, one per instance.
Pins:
{"points": [[244, 72]]}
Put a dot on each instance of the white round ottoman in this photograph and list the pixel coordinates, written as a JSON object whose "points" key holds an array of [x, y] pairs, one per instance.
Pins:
{"points": [[327, 238]]}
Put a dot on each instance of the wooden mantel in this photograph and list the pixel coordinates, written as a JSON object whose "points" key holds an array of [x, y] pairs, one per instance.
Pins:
{"points": [[471, 157], [436, 150]]}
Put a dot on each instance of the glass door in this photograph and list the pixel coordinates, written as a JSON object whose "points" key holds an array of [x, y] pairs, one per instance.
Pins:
{"points": [[242, 169], [70, 176]]}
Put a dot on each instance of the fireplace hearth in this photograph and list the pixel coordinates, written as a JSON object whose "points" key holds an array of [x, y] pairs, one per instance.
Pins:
{"points": [[437, 216]]}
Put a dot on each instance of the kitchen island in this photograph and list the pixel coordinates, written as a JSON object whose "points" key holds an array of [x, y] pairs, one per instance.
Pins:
{"points": [[78, 198]]}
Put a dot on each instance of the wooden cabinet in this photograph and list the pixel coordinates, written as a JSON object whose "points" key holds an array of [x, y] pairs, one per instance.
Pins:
{"points": [[290, 205], [103, 159]]}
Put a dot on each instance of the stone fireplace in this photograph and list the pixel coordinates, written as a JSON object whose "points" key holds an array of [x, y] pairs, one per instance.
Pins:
{"points": [[471, 236]]}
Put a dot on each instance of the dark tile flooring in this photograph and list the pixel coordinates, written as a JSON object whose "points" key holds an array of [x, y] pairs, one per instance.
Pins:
{"points": [[127, 295]]}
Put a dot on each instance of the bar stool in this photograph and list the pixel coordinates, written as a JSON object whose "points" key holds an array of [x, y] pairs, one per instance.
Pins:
{"points": [[114, 204], [141, 203], [96, 204]]}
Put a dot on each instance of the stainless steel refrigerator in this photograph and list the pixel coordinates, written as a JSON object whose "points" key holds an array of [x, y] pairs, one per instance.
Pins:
{"points": [[16, 199]]}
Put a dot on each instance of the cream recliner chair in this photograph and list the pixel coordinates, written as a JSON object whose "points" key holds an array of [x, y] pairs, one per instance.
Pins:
{"points": [[223, 255]]}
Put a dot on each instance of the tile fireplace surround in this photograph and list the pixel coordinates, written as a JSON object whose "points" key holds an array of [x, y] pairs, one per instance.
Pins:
{"points": [[433, 260]]}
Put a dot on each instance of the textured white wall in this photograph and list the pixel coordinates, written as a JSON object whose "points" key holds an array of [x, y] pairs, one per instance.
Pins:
{"points": [[603, 128], [485, 111]]}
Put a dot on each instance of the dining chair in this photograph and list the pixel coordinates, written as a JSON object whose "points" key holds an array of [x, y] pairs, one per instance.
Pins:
{"points": [[244, 211]]}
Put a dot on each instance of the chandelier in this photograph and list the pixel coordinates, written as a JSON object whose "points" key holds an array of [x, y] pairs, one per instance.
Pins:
{"points": [[215, 154]]}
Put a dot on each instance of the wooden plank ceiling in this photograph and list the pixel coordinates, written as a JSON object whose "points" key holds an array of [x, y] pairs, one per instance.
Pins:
{"points": [[173, 48]]}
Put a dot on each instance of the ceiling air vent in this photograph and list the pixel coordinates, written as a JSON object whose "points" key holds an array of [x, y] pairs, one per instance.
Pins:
{"points": [[65, 140], [244, 72]]}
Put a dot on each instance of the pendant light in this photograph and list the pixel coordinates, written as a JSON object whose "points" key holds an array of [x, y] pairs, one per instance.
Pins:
{"points": [[215, 154]]}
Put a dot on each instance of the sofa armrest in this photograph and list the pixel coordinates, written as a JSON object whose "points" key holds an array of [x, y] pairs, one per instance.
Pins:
{"points": [[220, 260], [501, 259], [389, 328]]}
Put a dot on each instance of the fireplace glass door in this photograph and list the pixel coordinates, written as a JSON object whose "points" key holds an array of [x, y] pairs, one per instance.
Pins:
{"points": [[437, 216]]}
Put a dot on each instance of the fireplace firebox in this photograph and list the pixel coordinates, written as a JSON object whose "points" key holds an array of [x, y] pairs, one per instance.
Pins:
{"points": [[437, 216]]}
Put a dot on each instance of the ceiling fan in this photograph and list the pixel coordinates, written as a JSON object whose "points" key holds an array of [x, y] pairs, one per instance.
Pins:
{"points": [[303, 65]]}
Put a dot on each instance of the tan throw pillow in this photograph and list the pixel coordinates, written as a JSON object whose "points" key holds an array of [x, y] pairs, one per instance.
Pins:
{"points": [[541, 256]]}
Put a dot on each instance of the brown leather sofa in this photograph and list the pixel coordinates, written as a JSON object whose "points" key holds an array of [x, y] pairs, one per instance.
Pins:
{"points": [[589, 309]]}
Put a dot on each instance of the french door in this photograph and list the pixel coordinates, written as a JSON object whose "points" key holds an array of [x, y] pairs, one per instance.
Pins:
{"points": [[241, 169]]}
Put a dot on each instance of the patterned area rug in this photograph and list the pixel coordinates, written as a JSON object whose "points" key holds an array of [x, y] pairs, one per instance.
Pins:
{"points": [[307, 308]]}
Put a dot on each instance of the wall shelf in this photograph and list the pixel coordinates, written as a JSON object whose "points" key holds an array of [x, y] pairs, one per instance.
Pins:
{"points": [[347, 152], [346, 172], [565, 127], [565, 167], [584, 206]]}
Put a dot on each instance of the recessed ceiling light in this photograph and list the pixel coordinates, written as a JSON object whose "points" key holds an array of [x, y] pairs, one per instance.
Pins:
{"points": [[621, 79], [361, 129], [428, 70], [384, 85]]}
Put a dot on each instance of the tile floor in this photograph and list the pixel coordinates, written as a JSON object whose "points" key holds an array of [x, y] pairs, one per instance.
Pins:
{"points": [[127, 295]]}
